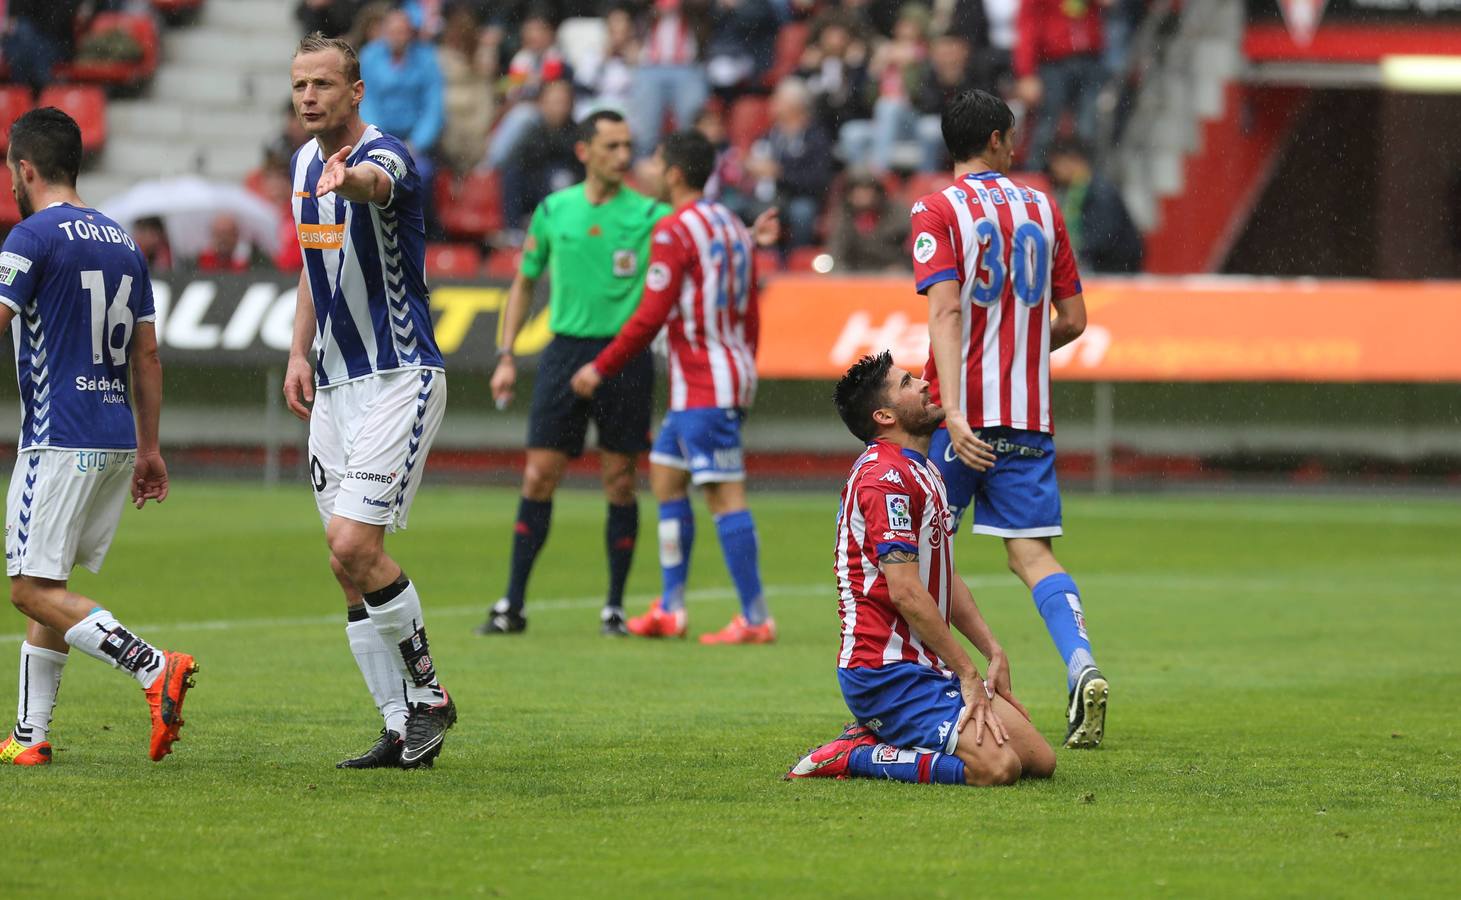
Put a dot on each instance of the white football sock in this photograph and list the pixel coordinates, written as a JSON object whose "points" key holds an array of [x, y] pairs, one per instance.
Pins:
{"points": [[380, 674], [100, 636], [40, 679], [395, 610]]}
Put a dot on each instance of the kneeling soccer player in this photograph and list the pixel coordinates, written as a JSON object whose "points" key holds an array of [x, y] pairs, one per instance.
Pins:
{"points": [[908, 681], [80, 290]]}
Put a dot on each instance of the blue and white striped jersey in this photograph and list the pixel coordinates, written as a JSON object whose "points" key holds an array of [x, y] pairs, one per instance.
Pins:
{"points": [[79, 287], [365, 267]]}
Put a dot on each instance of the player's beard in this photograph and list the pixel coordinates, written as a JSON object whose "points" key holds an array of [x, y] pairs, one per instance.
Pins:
{"points": [[924, 422], [23, 201]]}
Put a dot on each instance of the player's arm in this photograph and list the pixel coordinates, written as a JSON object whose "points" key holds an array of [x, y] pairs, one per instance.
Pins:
{"points": [[661, 286], [917, 607], [149, 475], [1065, 282], [299, 380], [362, 183], [7, 313], [936, 269], [966, 618]]}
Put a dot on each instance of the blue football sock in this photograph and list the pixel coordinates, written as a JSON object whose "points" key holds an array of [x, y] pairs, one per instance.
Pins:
{"points": [[912, 766], [742, 557], [1059, 602], [676, 537]]}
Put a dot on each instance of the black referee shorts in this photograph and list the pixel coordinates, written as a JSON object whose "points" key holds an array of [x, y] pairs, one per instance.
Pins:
{"points": [[619, 409]]}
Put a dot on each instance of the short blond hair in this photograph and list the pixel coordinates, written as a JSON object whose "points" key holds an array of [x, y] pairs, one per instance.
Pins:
{"points": [[314, 43]]}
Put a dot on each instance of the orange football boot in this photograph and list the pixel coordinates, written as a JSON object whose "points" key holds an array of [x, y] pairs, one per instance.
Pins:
{"points": [[658, 623], [14, 753], [166, 699], [830, 760], [739, 631]]}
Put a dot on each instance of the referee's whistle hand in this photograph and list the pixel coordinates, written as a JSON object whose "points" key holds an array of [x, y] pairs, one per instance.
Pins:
{"points": [[504, 378], [585, 381]]}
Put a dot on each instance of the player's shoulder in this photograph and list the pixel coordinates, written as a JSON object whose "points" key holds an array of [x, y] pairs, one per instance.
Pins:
{"points": [[386, 151], [933, 202], [883, 465]]}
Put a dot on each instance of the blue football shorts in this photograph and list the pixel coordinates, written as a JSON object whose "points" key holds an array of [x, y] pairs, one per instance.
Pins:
{"points": [[1017, 497], [905, 704], [704, 442]]}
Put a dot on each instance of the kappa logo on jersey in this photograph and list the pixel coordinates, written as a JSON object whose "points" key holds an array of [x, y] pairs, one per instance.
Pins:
{"points": [[924, 247], [626, 263], [918, 208], [658, 277], [900, 512], [388, 161], [12, 264], [322, 237], [892, 477]]}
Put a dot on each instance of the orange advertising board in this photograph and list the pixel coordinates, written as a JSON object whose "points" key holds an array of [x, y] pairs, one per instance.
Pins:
{"points": [[1149, 329]]}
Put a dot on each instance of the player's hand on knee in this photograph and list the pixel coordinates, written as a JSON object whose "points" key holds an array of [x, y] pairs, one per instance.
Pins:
{"points": [[975, 453], [586, 380], [504, 379], [979, 710], [149, 479], [997, 678], [299, 388]]}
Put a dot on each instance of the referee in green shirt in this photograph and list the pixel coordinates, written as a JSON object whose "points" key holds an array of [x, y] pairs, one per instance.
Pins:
{"points": [[593, 239]]}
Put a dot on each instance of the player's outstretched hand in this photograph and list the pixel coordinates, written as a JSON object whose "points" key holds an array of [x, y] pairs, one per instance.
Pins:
{"points": [[333, 174], [976, 454], [149, 479], [504, 378], [979, 709], [299, 388], [586, 380], [997, 678], [766, 230]]}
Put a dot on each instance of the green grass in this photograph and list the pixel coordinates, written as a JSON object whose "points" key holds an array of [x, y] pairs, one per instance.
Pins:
{"points": [[1283, 722]]}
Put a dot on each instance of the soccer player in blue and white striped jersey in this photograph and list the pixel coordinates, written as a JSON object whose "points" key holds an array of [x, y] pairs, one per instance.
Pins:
{"points": [[376, 393]]}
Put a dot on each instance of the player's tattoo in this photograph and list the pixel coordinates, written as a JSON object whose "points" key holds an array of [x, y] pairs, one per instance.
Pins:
{"points": [[898, 556]]}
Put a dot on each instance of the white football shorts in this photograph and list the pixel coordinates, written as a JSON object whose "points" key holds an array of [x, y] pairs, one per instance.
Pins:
{"points": [[63, 509], [368, 441]]}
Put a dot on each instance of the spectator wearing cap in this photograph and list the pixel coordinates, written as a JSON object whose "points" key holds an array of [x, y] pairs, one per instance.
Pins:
{"points": [[537, 62], [670, 76], [868, 235], [1101, 231], [791, 164], [1058, 61]]}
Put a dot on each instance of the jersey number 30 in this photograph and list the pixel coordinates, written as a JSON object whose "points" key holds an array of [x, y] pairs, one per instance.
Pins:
{"points": [[1030, 261], [111, 325]]}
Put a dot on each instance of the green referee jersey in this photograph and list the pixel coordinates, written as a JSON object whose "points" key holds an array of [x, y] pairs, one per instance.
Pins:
{"points": [[595, 255]]}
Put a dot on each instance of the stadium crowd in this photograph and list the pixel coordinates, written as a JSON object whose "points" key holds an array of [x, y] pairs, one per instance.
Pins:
{"points": [[828, 109]]}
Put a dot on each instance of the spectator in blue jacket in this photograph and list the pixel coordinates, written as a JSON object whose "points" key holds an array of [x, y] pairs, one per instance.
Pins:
{"points": [[404, 90]]}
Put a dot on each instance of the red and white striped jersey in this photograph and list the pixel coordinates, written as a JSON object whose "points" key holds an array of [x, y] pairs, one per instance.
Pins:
{"points": [[1007, 247], [894, 500], [701, 287]]}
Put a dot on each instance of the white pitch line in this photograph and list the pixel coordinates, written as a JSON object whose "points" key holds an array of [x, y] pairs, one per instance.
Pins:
{"points": [[1302, 583]]}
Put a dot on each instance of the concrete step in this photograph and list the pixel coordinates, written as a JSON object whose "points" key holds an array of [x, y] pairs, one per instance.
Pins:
{"points": [[153, 118], [251, 15], [96, 188], [232, 52], [232, 161], [141, 158], [205, 86]]}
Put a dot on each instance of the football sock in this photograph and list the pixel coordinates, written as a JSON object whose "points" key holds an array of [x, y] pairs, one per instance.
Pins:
{"points": [[377, 668], [40, 679], [1059, 602], [621, 531], [912, 766], [676, 538], [395, 611], [738, 544], [528, 535], [100, 636]]}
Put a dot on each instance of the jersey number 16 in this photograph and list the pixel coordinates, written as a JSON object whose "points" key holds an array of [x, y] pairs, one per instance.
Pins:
{"points": [[111, 326]]}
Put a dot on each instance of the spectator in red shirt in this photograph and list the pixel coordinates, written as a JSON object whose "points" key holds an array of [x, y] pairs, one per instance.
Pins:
{"points": [[226, 251], [1058, 63]]}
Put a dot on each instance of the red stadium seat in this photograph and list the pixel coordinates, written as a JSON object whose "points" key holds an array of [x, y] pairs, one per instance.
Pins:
{"points": [[791, 42], [750, 119], [470, 206], [14, 103], [800, 260], [452, 261], [768, 262], [9, 212], [128, 74], [87, 104], [502, 265]]}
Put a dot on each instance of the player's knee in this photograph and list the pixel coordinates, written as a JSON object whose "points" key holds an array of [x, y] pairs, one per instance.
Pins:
{"points": [[26, 596], [351, 551], [1040, 764], [999, 768]]}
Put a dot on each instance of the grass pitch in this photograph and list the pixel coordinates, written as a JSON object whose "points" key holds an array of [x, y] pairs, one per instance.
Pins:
{"points": [[1283, 718]]}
